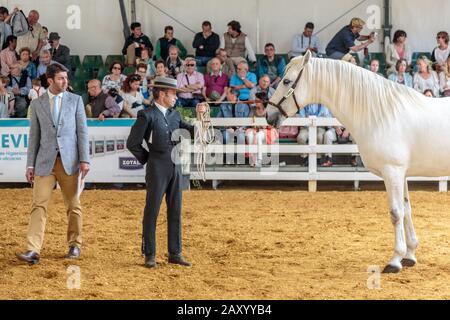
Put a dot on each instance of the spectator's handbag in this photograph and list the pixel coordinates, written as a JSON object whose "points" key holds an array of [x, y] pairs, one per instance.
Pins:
{"points": [[288, 132]]}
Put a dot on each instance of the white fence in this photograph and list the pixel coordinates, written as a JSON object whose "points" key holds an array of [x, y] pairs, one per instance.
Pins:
{"points": [[312, 173]]}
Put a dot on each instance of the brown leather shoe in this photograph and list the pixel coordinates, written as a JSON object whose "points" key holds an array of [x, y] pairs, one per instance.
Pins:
{"points": [[178, 259], [30, 257]]}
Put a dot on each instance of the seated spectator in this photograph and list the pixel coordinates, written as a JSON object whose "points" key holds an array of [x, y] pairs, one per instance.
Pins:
{"points": [[163, 45], [33, 39], [5, 27], [26, 64], [429, 93], [7, 99], [216, 83], [271, 65], [444, 79], [398, 49], [243, 81], [141, 70], [100, 105], [146, 58], [400, 75], [227, 65], [160, 69], [343, 136], [45, 44], [426, 78], [174, 63], [115, 79], [233, 109], [237, 44], [133, 99], [36, 90], [305, 41], [344, 41], [441, 52], [261, 135], [205, 44], [8, 55], [45, 61], [60, 53], [263, 86], [20, 85], [192, 83], [135, 43], [374, 66], [325, 135]]}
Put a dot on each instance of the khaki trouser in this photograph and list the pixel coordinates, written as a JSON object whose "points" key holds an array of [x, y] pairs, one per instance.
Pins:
{"points": [[42, 193], [131, 55]]}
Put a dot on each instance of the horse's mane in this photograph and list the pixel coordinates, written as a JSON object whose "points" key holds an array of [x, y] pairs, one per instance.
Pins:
{"points": [[363, 94]]}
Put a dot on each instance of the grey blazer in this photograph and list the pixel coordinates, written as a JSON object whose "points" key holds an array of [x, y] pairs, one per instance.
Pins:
{"points": [[71, 139]]}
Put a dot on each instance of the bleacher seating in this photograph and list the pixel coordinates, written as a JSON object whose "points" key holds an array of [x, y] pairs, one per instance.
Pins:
{"points": [[114, 57]]}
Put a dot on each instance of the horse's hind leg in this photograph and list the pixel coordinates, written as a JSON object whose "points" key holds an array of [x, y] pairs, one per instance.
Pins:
{"points": [[411, 238], [394, 179]]}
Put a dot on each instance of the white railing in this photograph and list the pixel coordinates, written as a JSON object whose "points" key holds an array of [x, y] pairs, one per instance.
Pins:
{"points": [[312, 173]]}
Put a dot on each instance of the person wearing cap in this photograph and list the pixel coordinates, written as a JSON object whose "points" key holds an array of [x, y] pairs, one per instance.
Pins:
{"points": [[344, 41], [156, 126], [60, 53]]}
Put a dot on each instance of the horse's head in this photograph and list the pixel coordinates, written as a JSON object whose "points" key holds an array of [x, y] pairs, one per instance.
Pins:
{"points": [[289, 98]]}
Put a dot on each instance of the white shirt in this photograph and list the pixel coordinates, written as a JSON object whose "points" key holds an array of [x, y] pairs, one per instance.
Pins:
{"points": [[161, 108]]}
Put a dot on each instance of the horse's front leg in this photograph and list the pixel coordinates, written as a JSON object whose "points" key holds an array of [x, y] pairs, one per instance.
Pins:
{"points": [[411, 238], [394, 178]]}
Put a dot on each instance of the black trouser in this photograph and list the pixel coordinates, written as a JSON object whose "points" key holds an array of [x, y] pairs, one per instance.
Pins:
{"points": [[162, 177]]}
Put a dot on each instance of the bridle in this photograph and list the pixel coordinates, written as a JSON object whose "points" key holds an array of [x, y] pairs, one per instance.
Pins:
{"points": [[289, 93]]}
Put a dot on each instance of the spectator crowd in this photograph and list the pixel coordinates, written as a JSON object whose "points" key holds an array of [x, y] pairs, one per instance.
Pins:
{"points": [[224, 71]]}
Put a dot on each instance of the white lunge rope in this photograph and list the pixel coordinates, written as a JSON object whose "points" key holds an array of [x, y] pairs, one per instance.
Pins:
{"points": [[204, 135]]}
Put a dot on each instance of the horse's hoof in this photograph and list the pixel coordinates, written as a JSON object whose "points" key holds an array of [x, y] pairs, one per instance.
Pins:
{"points": [[408, 263], [391, 269]]}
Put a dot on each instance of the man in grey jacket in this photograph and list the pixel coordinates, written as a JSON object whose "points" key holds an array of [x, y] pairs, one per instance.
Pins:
{"points": [[58, 151]]}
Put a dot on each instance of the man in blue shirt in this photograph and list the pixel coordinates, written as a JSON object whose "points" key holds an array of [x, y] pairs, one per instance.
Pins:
{"points": [[344, 41], [243, 81]]}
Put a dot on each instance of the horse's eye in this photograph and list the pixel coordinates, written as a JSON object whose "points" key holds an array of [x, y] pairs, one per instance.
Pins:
{"points": [[286, 82]]}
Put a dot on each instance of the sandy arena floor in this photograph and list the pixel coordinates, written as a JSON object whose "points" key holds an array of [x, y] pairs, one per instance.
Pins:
{"points": [[244, 244]]}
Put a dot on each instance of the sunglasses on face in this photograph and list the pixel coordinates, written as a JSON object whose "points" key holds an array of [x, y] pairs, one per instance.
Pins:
{"points": [[190, 65], [117, 68]]}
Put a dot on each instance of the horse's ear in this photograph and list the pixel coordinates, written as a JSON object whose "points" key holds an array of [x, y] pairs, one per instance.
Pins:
{"points": [[306, 57]]}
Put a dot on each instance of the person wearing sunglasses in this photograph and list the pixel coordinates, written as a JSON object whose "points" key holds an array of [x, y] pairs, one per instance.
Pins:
{"points": [[192, 82], [441, 52], [115, 79]]}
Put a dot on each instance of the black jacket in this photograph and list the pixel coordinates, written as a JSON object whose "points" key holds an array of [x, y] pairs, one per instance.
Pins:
{"points": [[152, 123], [143, 39], [210, 45], [61, 55]]}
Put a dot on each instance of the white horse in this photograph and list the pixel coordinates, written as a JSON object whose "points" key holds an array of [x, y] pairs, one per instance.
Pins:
{"points": [[400, 132]]}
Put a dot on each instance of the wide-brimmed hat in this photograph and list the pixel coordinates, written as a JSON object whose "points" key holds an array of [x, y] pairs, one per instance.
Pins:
{"points": [[54, 36], [166, 83]]}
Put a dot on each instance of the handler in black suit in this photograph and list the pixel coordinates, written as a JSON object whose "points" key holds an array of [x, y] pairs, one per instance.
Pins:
{"points": [[163, 176]]}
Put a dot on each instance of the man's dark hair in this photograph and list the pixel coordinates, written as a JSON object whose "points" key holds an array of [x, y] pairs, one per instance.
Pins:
{"points": [[10, 39], [269, 45], [166, 28], [54, 69], [261, 96], [135, 25], [4, 10], [235, 25], [206, 24], [156, 92], [309, 25]]}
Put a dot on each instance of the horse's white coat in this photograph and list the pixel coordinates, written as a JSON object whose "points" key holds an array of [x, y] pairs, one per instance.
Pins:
{"points": [[400, 133]]}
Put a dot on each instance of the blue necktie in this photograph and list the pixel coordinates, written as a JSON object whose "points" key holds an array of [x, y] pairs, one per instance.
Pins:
{"points": [[55, 110]]}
